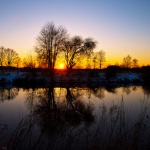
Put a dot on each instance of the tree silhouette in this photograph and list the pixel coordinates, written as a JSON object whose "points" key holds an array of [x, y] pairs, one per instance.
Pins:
{"points": [[94, 62], [135, 63], [29, 61], [49, 44], [127, 61], [2, 55], [75, 47], [100, 58], [11, 57]]}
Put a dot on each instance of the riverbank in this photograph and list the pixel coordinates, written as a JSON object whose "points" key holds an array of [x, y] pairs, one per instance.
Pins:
{"points": [[76, 77]]}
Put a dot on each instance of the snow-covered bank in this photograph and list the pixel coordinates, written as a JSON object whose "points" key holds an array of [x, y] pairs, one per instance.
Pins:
{"points": [[22, 78]]}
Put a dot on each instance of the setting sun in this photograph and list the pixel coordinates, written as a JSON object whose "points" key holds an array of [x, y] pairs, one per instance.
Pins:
{"points": [[61, 66]]}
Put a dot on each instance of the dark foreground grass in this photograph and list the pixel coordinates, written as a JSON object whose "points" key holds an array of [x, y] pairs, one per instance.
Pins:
{"points": [[113, 129]]}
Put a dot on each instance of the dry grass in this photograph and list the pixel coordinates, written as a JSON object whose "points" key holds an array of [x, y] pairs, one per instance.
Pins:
{"points": [[112, 131]]}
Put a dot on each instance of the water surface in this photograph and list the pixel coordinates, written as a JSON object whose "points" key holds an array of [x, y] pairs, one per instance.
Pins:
{"points": [[75, 117]]}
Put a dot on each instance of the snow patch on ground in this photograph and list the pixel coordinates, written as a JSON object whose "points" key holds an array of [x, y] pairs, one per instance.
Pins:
{"points": [[9, 77], [64, 77], [129, 76]]}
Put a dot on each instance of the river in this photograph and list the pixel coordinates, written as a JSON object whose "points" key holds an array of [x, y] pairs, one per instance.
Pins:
{"points": [[77, 117]]}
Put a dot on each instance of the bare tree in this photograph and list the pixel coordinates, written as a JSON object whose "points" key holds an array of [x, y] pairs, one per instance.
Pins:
{"points": [[75, 47], [29, 61], [2, 55], [88, 62], [127, 61], [18, 61], [11, 57], [135, 63], [49, 44], [94, 62], [100, 58]]}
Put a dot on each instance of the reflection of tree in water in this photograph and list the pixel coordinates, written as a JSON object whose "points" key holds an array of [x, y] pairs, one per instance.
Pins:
{"points": [[146, 90], [111, 89], [55, 112], [31, 97], [8, 94], [134, 88], [69, 110], [56, 122], [76, 109], [98, 92], [127, 90], [46, 112]]}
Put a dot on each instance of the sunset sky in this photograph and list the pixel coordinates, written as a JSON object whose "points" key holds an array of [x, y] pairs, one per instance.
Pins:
{"points": [[120, 27]]}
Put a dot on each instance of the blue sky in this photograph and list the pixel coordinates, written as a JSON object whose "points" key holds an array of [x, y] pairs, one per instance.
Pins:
{"points": [[120, 27]]}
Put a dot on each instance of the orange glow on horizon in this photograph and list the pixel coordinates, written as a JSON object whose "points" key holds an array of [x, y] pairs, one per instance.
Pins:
{"points": [[110, 60], [61, 66]]}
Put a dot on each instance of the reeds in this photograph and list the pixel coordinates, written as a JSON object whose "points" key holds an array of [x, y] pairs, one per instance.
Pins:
{"points": [[113, 129]]}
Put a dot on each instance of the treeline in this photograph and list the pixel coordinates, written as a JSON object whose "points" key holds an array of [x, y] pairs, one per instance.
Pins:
{"points": [[96, 60], [54, 45], [110, 69]]}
